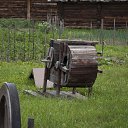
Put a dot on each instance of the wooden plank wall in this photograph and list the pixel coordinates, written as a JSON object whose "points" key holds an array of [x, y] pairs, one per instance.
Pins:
{"points": [[115, 12], [75, 14], [89, 14], [13, 8], [78, 14], [41, 8]]}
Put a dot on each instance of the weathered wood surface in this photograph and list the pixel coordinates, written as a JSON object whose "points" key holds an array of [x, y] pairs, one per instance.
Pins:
{"points": [[28, 9], [82, 66], [52, 93], [77, 42], [37, 75], [13, 9], [75, 14], [89, 14], [79, 59], [41, 9]]}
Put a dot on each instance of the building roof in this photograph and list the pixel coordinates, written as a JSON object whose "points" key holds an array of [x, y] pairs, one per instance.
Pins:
{"points": [[90, 0]]}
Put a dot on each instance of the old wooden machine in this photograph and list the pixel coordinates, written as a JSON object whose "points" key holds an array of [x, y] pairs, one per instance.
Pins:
{"points": [[71, 63]]}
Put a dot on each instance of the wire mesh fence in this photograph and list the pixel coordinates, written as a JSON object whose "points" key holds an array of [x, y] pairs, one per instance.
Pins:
{"points": [[28, 40]]}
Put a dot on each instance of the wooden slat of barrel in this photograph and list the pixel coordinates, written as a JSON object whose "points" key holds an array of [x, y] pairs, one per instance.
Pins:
{"points": [[81, 70], [77, 42]]}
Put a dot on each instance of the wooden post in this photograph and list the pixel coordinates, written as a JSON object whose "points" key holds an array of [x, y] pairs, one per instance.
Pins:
{"points": [[30, 123], [114, 30], [101, 31], [89, 91], [61, 50], [28, 9], [45, 79], [74, 90], [126, 32]]}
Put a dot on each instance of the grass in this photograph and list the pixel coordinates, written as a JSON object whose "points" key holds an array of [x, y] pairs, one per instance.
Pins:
{"points": [[107, 108]]}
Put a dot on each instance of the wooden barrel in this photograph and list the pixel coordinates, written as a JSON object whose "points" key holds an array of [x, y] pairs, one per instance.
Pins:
{"points": [[79, 58]]}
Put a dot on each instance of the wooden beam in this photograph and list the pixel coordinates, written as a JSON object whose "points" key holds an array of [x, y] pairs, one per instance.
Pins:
{"points": [[28, 9]]}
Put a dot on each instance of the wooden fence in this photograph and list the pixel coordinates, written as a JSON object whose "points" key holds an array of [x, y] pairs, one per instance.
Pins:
{"points": [[29, 40]]}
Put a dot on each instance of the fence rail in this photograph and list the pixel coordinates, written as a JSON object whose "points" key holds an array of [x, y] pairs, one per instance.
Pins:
{"points": [[28, 40]]}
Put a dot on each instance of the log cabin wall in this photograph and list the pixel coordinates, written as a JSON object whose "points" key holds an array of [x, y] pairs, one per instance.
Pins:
{"points": [[78, 14], [75, 14], [115, 12], [27, 9], [40, 9], [89, 14], [13, 8]]}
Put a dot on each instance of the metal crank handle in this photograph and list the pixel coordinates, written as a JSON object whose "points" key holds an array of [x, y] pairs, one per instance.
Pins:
{"points": [[46, 61], [64, 69]]}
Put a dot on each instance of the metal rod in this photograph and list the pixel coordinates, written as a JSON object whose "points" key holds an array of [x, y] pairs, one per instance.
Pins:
{"points": [[14, 41], [8, 47], [45, 40], [114, 28], [24, 46], [126, 32], [3, 56], [33, 41], [29, 39]]}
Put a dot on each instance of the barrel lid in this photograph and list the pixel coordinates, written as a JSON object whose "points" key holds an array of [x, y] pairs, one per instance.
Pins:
{"points": [[77, 42]]}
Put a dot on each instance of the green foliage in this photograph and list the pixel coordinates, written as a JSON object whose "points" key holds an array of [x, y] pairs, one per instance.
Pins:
{"points": [[12, 23], [44, 27], [28, 40]]}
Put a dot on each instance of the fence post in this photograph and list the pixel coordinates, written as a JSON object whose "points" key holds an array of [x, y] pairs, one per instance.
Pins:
{"points": [[33, 39], [1, 47], [114, 30], [45, 41], [24, 45], [90, 30], [8, 46], [30, 123], [101, 32], [2, 50], [29, 39], [14, 41], [126, 33]]}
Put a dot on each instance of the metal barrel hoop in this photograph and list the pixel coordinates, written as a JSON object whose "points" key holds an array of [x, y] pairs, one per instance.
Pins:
{"points": [[50, 57], [66, 65]]}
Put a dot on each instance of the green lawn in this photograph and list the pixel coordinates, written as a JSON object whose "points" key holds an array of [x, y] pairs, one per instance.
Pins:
{"points": [[107, 107]]}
